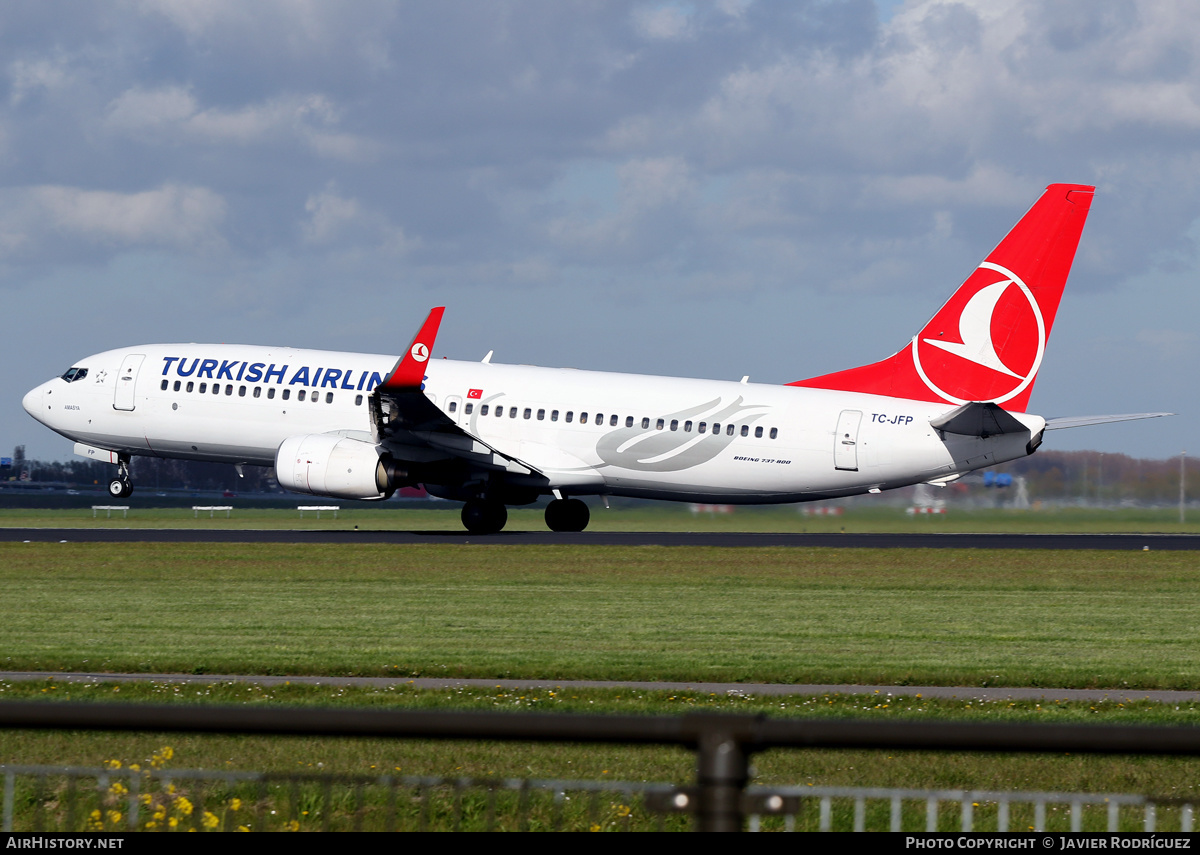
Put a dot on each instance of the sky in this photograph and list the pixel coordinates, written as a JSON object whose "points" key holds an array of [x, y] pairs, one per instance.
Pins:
{"points": [[701, 189]]}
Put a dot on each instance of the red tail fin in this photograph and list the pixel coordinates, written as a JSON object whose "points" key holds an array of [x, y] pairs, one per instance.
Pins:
{"points": [[987, 342]]}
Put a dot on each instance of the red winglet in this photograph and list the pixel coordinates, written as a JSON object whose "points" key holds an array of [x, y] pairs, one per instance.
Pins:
{"points": [[409, 372]]}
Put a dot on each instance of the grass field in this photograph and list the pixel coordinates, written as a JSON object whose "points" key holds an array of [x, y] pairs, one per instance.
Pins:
{"points": [[946, 617], [950, 617], [862, 517]]}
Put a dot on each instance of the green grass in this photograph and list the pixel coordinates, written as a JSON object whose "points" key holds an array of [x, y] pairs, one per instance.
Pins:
{"points": [[946, 617], [859, 517]]}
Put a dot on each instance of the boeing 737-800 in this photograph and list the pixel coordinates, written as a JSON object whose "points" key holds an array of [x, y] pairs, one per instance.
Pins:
{"points": [[358, 426]]}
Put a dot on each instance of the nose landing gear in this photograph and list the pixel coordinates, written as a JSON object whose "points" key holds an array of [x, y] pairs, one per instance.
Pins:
{"points": [[121, 487]]}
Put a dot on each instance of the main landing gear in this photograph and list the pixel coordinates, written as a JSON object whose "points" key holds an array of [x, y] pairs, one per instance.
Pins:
{"points": [[121, 487], [479, 516], [567, 515], [483, 516]]}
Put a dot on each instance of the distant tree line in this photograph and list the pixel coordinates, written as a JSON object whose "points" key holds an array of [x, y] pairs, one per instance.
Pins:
{"points": [[1092, 476], [1105, 478], [149, 473]]}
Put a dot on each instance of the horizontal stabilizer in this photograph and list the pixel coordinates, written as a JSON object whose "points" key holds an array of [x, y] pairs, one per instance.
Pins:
{"points": [[978, 419], [1084, 421]]}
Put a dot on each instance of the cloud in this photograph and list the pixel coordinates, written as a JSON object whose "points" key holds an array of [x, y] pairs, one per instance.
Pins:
{"points": [[175, 217], [172, 112], [666, 21], [336, 219], [33, 75]]}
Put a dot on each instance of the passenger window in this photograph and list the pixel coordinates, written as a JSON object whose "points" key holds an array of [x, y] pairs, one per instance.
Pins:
{"points": [[758, 433], [583, 418], [570, 415], [660, 424], [483, 411], [203, 388], [271, 392], [554, 415], [612, 421], [177, 385], [687, 427], [774, 433], [190, 386], [599, 418], [512, 412], [358, 400], [241, 391], [164, 384], [499, 412], [645, 424], [287, 393], [453, 406], [716, 428], [258, 391], [300, 395], [629, 421], [729, 430], [541, 415], [328, 397], [229, 389], [674, 424], [745, 430], [469, 408], [216, 388], [528, 413]]}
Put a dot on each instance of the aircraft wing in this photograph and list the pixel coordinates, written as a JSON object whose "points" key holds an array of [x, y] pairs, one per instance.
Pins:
{"points": [[1084, 421], [401, 414]]}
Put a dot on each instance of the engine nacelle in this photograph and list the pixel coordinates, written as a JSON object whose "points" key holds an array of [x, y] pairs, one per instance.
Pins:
{"points": [[323, 464]]}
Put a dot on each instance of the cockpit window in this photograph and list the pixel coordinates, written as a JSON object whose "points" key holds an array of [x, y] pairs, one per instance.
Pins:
{"points": [[74, 374]]}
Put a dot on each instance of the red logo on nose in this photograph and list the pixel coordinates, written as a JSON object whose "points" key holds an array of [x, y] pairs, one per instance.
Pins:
{"points": [[986, 343]]}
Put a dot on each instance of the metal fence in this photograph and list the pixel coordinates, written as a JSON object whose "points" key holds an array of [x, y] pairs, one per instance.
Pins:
{"points": [[718, 799]]}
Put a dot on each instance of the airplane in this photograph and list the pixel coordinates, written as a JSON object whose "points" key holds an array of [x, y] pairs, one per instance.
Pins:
{"points": [[359, 426]]}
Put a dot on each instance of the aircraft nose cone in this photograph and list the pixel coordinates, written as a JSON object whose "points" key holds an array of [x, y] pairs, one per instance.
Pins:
{"points": [[32, 402]]}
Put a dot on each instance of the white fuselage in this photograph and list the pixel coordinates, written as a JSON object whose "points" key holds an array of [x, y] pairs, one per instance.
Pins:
{"points": [[586, 432]]}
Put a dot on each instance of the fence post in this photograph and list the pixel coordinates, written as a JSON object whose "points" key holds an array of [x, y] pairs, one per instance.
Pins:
{"points": [[723, 747]]}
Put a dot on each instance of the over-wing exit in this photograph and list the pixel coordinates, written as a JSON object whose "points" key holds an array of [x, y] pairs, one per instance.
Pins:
{"points": [[359, 426]]}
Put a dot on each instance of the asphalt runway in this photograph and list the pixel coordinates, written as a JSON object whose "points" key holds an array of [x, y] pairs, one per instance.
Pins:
{"points": [[1130, 542], [990, 693]]}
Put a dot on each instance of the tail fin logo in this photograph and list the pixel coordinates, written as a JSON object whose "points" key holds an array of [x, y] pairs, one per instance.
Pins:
{"points": [[986, 344]]}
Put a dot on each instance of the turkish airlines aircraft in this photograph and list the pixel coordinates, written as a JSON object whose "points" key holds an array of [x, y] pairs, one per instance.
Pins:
{"points": [[358, 426]]}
